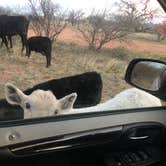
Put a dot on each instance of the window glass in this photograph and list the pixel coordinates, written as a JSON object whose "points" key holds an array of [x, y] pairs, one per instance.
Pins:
{"points": [[76, 53]]}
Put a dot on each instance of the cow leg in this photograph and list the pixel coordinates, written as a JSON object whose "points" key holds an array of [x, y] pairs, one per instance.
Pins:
{"points": [[10, 40], [28, 49], [48, 59], [1, 42], [4, 40], [28, 53], [23, 40]]}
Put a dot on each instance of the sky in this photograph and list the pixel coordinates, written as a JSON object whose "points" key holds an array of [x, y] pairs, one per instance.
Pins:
{"points": [[66, 3], [77, 4], [86, 5]]}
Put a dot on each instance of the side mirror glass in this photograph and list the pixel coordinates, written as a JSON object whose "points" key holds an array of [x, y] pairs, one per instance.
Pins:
{"points": [[149, 75]]}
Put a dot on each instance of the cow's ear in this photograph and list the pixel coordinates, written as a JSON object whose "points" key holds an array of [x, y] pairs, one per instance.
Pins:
{"points": [[13, 94], [67, 102]]}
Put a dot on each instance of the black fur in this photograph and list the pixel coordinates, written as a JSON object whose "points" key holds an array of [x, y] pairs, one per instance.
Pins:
{"points": [[88, 87], [13, 25], [42, 45], [10, 112]]}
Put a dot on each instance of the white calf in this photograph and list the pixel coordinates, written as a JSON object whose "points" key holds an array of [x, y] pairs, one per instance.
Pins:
{"points": [[44, 103], [39, 103]]}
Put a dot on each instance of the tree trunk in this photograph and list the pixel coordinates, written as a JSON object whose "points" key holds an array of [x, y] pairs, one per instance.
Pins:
{"points": [[100, 46]]}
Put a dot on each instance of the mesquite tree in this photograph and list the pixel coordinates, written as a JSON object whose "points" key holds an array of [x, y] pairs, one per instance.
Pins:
{"points": [[135, 14], [46, 18], [99, 28]]}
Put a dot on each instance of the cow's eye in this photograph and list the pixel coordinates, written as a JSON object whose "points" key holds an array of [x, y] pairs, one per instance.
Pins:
{"points": [[56, 111], [27, 105]]}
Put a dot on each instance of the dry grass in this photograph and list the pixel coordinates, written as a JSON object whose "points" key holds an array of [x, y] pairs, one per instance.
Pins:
{"points": [[67, 59], [143, 36]]}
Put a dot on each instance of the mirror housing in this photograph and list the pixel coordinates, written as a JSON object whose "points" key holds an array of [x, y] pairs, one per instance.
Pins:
{"points": [[148, 75]]}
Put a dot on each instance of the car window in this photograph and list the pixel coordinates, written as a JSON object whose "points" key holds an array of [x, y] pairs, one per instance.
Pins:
{"points": [[65, 57]]}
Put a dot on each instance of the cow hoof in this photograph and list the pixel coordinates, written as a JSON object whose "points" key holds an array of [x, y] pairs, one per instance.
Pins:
{"points": [[48, 65]]}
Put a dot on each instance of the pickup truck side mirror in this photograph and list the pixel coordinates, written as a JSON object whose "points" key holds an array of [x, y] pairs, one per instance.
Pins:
{"points": [[148, 75]]}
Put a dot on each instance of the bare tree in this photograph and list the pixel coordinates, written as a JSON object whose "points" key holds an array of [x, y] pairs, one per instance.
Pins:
{"points": [[75, 16], [99, 28], [136, 14], [47, 18]]}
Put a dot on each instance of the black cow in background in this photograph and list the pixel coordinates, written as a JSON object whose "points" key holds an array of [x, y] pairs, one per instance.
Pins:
{"points": [[42, 45], [13, 25]]}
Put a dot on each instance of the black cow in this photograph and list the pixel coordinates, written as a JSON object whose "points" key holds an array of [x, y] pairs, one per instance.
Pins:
{"points": [[88, 87], [42, 45], [10, 112], [5, 41], [13, 25]]}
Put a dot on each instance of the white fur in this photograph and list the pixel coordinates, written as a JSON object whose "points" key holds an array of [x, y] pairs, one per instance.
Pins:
{"points": [[130, 98], [41, 104], [44, 103]]}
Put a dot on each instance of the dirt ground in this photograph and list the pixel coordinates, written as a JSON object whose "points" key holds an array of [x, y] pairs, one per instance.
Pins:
{"points": [[72, 35]]}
